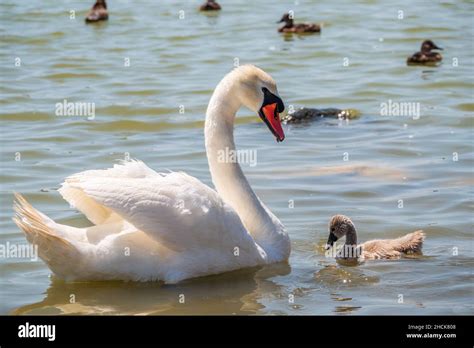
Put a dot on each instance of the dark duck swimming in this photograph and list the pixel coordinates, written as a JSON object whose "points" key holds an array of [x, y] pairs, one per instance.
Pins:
{"points": [[299, 28], [425, 56], [210, 5], [308, 114], [98, 12]]}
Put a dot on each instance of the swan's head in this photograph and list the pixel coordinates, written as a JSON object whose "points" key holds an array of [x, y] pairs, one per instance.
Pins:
{"points": [[339, 226], [258, 92]]}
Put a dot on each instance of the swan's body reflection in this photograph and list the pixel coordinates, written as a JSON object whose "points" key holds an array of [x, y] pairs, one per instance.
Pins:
{"points": [[230, 293]]}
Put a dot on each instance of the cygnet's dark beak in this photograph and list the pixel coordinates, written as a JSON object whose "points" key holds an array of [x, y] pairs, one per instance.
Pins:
{"points": [[332, 238]]}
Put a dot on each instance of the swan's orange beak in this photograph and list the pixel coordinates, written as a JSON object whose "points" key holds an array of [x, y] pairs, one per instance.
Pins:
{"points": [[270, 113], [272, 118]]}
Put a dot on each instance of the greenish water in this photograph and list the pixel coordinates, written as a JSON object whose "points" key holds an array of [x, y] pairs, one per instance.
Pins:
{"points": [[177, 62]]}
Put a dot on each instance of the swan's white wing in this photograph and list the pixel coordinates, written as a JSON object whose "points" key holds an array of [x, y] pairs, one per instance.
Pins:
{"points": [[174, 209], [96, 213]]}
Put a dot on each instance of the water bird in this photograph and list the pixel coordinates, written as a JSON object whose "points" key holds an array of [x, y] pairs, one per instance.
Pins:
{"points": [[151, 226], [291, 27], [425, 56], [340, 226], [98, 12], [210, 5], [309, 114]]}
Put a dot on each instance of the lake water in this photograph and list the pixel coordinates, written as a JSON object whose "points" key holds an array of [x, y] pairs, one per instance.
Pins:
{"points": [[362, 168]]}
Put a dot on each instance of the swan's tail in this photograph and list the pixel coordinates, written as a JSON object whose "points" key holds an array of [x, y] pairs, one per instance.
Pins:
{"points": [[410, 243], [58, 253]]}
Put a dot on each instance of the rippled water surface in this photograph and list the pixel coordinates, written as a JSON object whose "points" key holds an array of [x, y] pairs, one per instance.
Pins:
{"points": [[175, 65]]}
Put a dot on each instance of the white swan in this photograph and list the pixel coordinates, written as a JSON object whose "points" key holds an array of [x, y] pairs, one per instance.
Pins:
{"points": [[169, 227]]}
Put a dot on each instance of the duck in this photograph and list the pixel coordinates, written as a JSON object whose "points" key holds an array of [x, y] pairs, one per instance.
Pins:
{"points": [[210, 5], [168, 227], [425, 56], [341, 225], [310, 114], [98, 12], [298, 28]]}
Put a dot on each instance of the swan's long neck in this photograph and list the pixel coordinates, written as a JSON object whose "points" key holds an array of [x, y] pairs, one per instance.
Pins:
{"points": [[230, 181]]}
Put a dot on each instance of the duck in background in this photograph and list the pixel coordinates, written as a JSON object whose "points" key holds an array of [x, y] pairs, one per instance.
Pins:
{"points": [[309, 114], [425, 56], [341, 225], [210, 5], [98, 12], [299, 28]]}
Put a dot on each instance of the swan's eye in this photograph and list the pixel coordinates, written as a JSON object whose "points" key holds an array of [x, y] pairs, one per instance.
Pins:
{"points": [[333, 229]]}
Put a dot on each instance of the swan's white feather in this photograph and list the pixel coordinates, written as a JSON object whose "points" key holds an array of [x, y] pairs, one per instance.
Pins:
{"points": [[96, 213], [173, 226], [175, 209]]}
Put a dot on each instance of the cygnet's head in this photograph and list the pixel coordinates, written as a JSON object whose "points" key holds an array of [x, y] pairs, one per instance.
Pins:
{"points": [[339, 226]]}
